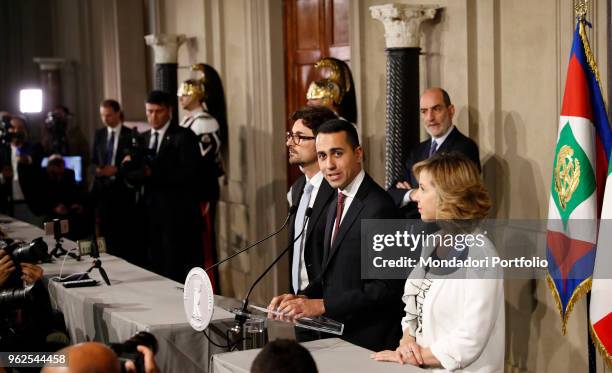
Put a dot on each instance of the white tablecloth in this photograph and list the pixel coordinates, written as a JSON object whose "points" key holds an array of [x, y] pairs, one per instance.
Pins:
{"points": [[331, 355], [136, 300]]}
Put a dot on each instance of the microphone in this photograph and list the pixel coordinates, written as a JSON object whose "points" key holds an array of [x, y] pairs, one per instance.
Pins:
{"points": [[240, 319], [292, 210]]}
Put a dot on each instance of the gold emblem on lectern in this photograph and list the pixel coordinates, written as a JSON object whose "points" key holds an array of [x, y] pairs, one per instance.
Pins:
{"points": [[566, 175]]}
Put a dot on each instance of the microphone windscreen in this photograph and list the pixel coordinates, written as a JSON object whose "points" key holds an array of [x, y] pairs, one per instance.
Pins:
{"points": [[308, 212]]}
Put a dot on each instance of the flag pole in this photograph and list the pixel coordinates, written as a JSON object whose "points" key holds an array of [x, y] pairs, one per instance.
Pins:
{"points": [[580, 9]]}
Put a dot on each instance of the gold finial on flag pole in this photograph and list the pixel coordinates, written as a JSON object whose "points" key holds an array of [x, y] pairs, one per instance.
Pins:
{"points": [[580, 8]]}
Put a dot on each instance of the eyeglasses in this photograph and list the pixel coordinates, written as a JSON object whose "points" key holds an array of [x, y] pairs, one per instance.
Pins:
{"points": [[297, 138]]}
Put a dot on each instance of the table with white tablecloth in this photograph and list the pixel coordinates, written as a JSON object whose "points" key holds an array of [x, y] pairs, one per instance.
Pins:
{"points": [[331, 356], [141, 300], [136, 300]]}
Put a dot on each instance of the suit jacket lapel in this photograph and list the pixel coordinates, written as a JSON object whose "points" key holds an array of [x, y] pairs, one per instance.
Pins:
{"points": [[295, 201], [122, 145], [352, 214], [448, 143], [329, 226], [147, 138], [323, 195], [101, 147], [166, 139]]}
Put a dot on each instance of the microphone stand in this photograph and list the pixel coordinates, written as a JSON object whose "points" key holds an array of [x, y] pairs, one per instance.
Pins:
{"points": [[292, 210], [97, 263], [241, 318]]}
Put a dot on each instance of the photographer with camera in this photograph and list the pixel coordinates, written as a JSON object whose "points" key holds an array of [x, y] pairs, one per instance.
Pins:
{"points": [[137, 354], [61, 135], [7, 267], [94, 357], [20, 168], [25, 308]]}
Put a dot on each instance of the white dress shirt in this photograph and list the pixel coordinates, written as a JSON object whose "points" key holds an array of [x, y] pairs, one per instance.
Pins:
{"points": [[316, 181], [117, 131], [17, 193], [349, 194], [162, 132]]}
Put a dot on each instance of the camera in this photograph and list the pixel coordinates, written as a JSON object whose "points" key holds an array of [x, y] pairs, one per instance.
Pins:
{"points": [[140, 156], [127, 351], [56, 125], [5, 126], [16, 298], [33, 252]]}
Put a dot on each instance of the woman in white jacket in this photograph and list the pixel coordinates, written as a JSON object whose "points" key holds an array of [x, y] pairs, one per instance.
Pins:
{"points": [[452, 323]]}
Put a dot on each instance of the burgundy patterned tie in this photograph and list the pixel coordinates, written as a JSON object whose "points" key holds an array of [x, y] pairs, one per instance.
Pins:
{"points": [[339, 209]]}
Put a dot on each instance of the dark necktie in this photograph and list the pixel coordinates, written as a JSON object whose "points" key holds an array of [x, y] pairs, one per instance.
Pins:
{"points": [[339, 209], [110, 146], [433, 148], [155, 142]]}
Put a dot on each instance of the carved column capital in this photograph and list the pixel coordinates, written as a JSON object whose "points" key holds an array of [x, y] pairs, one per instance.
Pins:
{"points": [[49, 63], [165, 46], [403, 22]]}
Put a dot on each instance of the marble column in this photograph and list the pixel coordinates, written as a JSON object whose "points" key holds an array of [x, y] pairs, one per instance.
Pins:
{"points": [[402, 23], [165, 53]]}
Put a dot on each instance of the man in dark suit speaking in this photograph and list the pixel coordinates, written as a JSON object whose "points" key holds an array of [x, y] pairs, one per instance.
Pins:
{"points": [[171, 192], [437, 113], [370, 309]]}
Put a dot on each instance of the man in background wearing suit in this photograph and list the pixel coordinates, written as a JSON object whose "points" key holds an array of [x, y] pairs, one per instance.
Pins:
{"points": [[309, 190], [114, 201], [369, 309], [171, 192], [20, 169], [437, 113]]}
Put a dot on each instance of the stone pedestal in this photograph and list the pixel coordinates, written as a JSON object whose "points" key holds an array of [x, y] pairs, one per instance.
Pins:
{"points": [[402, 24], [165, 53], [50, 81]]}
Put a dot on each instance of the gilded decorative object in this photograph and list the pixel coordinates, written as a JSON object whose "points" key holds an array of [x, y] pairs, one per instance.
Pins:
{"points": [[196, 87], [566, 174], [581, 8], [334, 86]]}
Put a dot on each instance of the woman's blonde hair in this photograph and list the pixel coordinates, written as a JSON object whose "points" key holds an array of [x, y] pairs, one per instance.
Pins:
{"points": [[461, 193]]}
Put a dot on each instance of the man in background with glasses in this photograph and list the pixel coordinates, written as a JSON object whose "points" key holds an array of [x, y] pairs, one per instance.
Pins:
{"points": [[309, 190]]}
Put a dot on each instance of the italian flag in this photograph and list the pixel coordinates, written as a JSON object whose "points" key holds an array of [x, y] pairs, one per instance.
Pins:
{"points": [[601, 291], [580, 169]]}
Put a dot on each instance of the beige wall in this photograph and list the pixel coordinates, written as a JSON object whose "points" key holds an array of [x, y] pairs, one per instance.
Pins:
{"points": [[242, 40], [504, 65]]}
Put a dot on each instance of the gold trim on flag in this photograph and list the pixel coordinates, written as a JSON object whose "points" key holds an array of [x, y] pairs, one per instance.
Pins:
{"points": [[600, 347], [579, 291], [588, 53]]}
